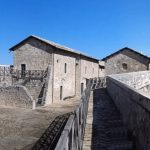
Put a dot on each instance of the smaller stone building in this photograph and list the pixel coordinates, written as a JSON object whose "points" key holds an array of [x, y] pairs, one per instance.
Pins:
{"points": [[126, 60]]}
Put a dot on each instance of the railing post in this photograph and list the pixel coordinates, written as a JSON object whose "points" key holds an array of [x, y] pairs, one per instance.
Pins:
{"points": [[34, 105]]}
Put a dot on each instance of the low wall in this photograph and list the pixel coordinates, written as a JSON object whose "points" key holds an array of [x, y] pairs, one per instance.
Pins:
{"points": [[15, 96], [136, 80], [135, 110]]}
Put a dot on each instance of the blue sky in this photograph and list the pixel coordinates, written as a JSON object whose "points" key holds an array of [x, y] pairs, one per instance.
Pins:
{"points": [[95, 27]]}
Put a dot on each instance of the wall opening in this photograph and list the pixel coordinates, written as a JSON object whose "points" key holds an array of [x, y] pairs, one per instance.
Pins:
{"points": [[65, 69], [82, 88], [93, 70], [124, 66], [23, 70], [61, 92], [85, 70]]}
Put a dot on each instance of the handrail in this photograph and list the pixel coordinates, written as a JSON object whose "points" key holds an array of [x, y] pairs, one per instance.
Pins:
{"points": [[72, 135], [99, 82], [29, 74]]}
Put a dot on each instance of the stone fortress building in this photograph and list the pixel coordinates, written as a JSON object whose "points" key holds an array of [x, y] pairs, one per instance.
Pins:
{"points": [[45, 73], [48, 72], [66, 70]]}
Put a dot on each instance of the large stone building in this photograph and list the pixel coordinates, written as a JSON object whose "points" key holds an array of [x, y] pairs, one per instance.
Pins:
{"points": [[126, 60], [68, 69]]}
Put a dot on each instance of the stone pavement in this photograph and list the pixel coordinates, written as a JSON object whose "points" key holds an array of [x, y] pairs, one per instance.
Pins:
{"points": [[104, 128]]}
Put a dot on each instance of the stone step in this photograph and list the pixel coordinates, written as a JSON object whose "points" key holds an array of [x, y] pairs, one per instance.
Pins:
{"points": [[106, 130], [125, 145], [117, 132]]}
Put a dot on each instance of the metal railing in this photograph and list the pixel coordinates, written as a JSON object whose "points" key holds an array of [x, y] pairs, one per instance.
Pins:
{"points": [[4, 71], [72, 135], [36, 74], [98, 83]]}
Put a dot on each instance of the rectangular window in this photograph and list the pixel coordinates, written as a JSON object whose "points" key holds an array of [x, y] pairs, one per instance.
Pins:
{"points": [[61, 92], [65, 69], [93, 70], [82, 87], [85, 70]]}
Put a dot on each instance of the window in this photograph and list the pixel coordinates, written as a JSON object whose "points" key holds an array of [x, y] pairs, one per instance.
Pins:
{"points": [[93, 70], [85, 70], [65, 69], [124, 66], [61, 92]]}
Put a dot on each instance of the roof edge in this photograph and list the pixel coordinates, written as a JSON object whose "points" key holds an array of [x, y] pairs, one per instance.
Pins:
{"points": [[52, 44], [122, 49]]}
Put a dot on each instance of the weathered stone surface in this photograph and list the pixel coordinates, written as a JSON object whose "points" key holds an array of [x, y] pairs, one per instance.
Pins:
{"points": [[136, 80], [104, 127], [134, 62], [16, 96], [37, 54], [5, 76], [135, 110]]}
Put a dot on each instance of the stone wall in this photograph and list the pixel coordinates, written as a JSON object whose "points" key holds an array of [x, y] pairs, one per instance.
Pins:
{"points": [[15, 96], [135, 110], [136, 80], [89, 69], [38, 55], [134, 62], [35, 54], [5, 76], [63, 78]]}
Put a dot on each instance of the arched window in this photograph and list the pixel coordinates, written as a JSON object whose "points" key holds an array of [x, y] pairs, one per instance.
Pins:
{"points": [[124, 66]]}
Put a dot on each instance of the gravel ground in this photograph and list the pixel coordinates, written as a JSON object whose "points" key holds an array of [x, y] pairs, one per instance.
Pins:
{"points": [[21, 128]]}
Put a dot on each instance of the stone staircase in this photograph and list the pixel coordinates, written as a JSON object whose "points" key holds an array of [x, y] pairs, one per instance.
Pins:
{"points": [[107, 129]]}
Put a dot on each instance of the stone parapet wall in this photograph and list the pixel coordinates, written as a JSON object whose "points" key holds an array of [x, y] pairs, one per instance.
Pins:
{"points": [[136, 80], [135, 110], [5, 76], [15, 96], [5, 81]]}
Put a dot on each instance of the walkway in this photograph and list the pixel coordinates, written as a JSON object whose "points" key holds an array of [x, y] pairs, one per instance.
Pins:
{"points": [[104, 128]]}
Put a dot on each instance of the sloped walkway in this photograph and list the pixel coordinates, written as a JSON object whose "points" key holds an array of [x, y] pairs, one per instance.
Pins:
{"points": [[104, 128]]}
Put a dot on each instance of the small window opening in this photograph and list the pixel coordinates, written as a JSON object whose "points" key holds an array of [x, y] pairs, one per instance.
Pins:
{"points": [[82, 87], [85, 70], [61, 92], [125, 66], [93, 70], [65, 70]]}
